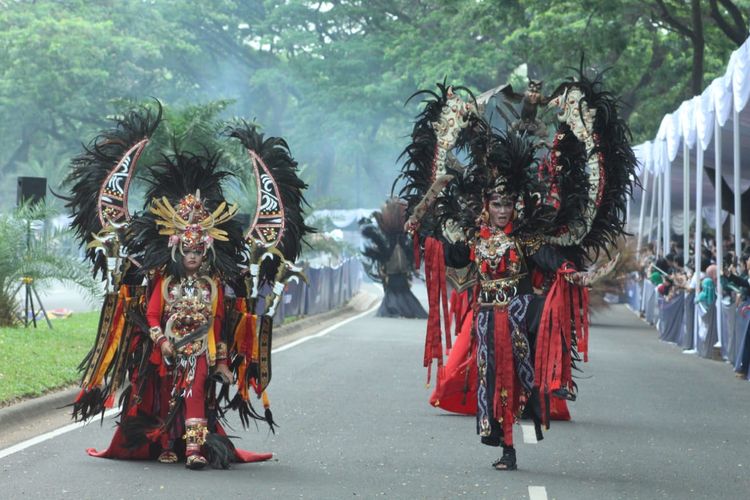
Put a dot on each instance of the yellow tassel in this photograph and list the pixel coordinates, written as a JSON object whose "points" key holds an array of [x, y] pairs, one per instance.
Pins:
{"points": [[211, 339], [256, 347], [116, 334]]}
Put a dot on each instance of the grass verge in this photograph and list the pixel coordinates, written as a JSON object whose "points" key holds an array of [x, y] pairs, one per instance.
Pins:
{"points": [[35, 361]]}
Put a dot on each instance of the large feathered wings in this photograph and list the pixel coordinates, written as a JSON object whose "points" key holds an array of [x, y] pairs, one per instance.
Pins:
{"points": [[574, 187]]}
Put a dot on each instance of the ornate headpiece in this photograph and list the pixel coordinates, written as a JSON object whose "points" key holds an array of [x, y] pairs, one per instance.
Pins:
{"points": [[189, 225], [187, 212], [502, 187]]}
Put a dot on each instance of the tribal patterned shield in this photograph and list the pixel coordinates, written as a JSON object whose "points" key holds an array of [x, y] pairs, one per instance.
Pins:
{"points": [[268, 225], [113, 196]]}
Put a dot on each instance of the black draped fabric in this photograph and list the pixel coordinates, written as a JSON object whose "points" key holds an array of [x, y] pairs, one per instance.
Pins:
{"points": [[742, 328], [398, 301], [743, 357], [670, 318]]}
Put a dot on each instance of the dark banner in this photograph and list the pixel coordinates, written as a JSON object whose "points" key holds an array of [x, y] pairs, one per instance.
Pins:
{"points": [[707, 332], [650, 305], [670, 318], [328, 288], [728, 320], [688, 322], [633, 294], [742, 328]]}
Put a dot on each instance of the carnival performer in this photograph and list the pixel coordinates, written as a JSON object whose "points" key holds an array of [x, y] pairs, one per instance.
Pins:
{"points": [[169, 339], [388, 259], [527, 226]]}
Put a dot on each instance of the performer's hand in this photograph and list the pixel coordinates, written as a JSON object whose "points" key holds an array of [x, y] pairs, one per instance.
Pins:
{"points": [[591, 277], [223, 371], [411, 225], [167, 351], [604, 271]]}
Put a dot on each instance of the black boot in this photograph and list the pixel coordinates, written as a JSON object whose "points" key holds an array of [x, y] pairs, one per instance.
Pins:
{"points": [[508, 460]]}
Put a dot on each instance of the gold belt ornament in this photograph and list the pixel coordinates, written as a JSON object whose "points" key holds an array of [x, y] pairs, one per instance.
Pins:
{"points": [[499, 292]]}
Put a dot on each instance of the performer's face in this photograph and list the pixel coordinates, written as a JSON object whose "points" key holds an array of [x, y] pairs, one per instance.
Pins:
{"points": [[500, 211], [192, 261]]}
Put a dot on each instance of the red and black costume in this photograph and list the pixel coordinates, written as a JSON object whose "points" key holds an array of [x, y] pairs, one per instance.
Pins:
{"points": [[173, 404], [525, 319]]}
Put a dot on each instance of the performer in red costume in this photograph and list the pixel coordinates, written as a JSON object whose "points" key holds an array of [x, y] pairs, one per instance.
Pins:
{"points": [[527, 227], [181, 321]]}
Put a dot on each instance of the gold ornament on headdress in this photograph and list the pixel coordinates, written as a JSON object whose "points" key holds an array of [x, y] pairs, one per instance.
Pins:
{"points": [[500, 187], [189, 225]]}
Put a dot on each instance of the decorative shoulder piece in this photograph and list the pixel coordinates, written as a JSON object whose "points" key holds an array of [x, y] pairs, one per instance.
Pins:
{"points": [[531, 243]]}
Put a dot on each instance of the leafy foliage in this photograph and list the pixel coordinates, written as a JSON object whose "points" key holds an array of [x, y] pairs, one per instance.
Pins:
{"points": [[37, 254], [330, 77]]}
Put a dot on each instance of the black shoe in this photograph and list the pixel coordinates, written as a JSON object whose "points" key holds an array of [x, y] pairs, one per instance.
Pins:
{"points": [[508, 460]]}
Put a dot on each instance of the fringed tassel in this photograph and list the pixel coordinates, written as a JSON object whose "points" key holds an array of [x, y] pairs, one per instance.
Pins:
{"points": [[504, 396], [582, 314], [437, 294], [245, 410], [417, 251], [453, 304], [268, 415], [552, 359], [88, 403]]}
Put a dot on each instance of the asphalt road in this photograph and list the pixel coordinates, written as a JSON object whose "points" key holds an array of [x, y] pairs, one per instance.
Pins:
{"points": [[650, 423]]}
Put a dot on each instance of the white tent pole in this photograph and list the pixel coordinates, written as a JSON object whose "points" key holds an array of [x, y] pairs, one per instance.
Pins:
{"points": [[660, 213], [685, 202], [737, 188], [698, 245], [719, 232], [667, 215], [644, 194], [654, 191]]}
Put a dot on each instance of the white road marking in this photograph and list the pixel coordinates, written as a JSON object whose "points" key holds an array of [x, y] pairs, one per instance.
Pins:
{"points": [[529, 434], [326, 331], [77, 425], [537, 493], [51, 434]]}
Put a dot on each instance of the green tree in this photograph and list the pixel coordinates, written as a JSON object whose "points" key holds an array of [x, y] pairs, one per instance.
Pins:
{"points": [[332, 77]]}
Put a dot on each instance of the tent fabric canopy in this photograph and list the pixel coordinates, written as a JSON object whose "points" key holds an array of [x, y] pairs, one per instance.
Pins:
{"points": [[694, 119]]}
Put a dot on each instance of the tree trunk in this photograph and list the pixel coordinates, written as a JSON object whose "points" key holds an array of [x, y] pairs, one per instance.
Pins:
{"points": [[699, 45]]}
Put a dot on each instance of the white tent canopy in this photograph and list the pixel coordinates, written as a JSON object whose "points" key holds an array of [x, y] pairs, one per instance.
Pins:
{"points": [[692, 128], [712, 131]]}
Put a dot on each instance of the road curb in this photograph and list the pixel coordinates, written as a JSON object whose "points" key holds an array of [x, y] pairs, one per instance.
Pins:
{"points": [[36, 407]]}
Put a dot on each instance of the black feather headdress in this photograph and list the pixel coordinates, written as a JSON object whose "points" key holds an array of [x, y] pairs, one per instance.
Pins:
{"points": [[99, 179], [382, 237], [615, 158], [175, 179], [502, 163], [419, 156], [279, 218]]}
